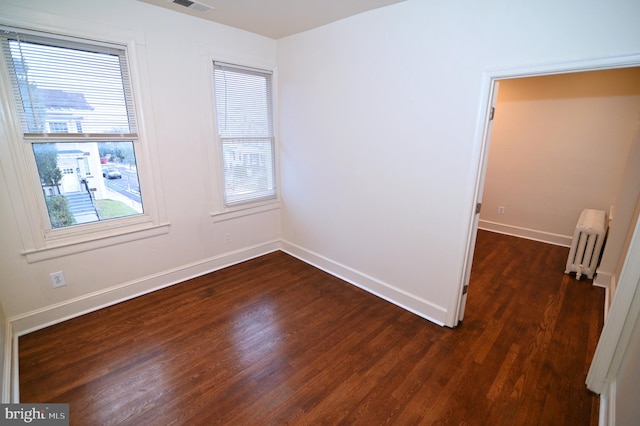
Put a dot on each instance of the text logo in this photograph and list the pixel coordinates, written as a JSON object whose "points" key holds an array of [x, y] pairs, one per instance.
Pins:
{"points": [[34, 414]]}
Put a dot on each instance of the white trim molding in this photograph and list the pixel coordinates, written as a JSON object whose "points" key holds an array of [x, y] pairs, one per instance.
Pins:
{"points": [[53, 314], [607, 409], [607, 281], [412, 303], [5, 395], [617, 331], [108, 239], [20, 325], [529, 234], [245, 211]]}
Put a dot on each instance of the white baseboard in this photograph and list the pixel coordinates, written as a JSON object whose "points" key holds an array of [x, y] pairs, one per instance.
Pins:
{"points": [[603, 279], [607, 281], [56, 313], [31, 321], [53, 314], [423, 308], [530, 234]]}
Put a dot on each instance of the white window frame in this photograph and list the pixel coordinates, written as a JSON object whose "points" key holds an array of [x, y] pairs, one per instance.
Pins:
{"points": [[257, 204], [40, 242]]}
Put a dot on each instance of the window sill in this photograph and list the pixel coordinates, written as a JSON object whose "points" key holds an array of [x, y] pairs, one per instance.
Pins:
{"points": [[242, 211], [68, 248]]}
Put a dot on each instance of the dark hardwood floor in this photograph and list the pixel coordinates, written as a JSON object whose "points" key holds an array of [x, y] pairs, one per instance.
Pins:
{"points": [[275, 341]]}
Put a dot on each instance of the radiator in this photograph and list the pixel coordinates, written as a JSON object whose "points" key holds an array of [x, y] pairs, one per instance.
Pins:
{"points": [[586, 246]]}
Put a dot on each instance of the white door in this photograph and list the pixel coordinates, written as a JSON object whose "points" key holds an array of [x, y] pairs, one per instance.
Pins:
{"points": [[70, 181], [493, 96]]}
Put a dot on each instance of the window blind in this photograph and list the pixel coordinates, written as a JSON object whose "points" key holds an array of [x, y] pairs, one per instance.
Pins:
{"points": [[55, 76]]}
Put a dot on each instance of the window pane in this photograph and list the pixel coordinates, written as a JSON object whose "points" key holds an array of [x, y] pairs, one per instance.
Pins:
{"points": [[243, 103], [88, 182], [248, 170], [70, 90]]}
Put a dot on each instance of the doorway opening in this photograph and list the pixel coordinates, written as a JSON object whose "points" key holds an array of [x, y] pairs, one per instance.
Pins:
{"points": [[532, 80]]}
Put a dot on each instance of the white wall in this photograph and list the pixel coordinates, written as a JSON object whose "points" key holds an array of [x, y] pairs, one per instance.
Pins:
{"points": [[559, 145], [4, 357], [379, 143], [626, 212], [627, 410], [177, 119]]}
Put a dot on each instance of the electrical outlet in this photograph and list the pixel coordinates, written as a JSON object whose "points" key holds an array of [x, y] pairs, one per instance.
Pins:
{"points": [[57, 279], [501, 210], [227, 238]]}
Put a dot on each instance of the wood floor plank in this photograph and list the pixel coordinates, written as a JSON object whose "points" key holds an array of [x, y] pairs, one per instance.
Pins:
{"points": [[275, 341]]}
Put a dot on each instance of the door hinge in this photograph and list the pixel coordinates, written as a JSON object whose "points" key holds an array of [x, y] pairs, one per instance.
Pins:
{"points": [[465, 288], [478, 208], [492, 113]]}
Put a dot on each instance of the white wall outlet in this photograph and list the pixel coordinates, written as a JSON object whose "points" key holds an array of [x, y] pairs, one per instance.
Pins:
{"points": [[501, 210], [227, 238], [57, 279]]}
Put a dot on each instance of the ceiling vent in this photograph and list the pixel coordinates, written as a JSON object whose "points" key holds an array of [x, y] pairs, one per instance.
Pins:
{"points": [[192, 5]]}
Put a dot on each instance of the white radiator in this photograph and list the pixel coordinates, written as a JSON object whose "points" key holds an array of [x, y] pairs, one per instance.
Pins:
{"points": [[587, 243]]}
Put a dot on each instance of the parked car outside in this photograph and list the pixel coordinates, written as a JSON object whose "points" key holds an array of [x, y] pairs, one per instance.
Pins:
{"points": [[111, 173]]}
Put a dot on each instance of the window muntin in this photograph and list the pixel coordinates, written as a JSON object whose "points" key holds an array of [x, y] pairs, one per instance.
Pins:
{"points": [[75, 106], [244, 112], [58, 127]]}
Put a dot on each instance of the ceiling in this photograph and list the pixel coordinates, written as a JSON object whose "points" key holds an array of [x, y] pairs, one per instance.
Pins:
{"points": [[274, 18]]}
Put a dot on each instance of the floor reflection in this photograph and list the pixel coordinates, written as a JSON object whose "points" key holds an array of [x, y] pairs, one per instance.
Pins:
{"points": [[256, 331]]}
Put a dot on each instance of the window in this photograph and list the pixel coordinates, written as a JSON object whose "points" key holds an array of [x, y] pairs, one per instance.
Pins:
{"points": [[75, 106], [244, 111], [57, 127]]}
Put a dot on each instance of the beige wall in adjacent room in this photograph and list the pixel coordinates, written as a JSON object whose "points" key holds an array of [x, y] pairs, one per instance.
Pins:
{"points": [[559, 145]]}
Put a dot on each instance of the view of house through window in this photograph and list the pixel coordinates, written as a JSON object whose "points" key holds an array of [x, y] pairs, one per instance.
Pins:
{"points": [[87, 182], [76, 112]]}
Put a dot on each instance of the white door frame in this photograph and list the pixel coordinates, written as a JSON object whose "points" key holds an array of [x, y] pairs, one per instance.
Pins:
{"points": [[483, 127]]}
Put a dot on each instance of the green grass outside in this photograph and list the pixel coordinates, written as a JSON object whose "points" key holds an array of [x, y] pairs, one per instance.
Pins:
{"points": [[109, 209]]}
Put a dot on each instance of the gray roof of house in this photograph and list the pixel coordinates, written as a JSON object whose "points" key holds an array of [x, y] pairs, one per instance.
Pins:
{"points": [[60, 99]]}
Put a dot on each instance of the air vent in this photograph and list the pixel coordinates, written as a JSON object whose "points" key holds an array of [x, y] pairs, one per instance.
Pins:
{"points": [[195, 6]]}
